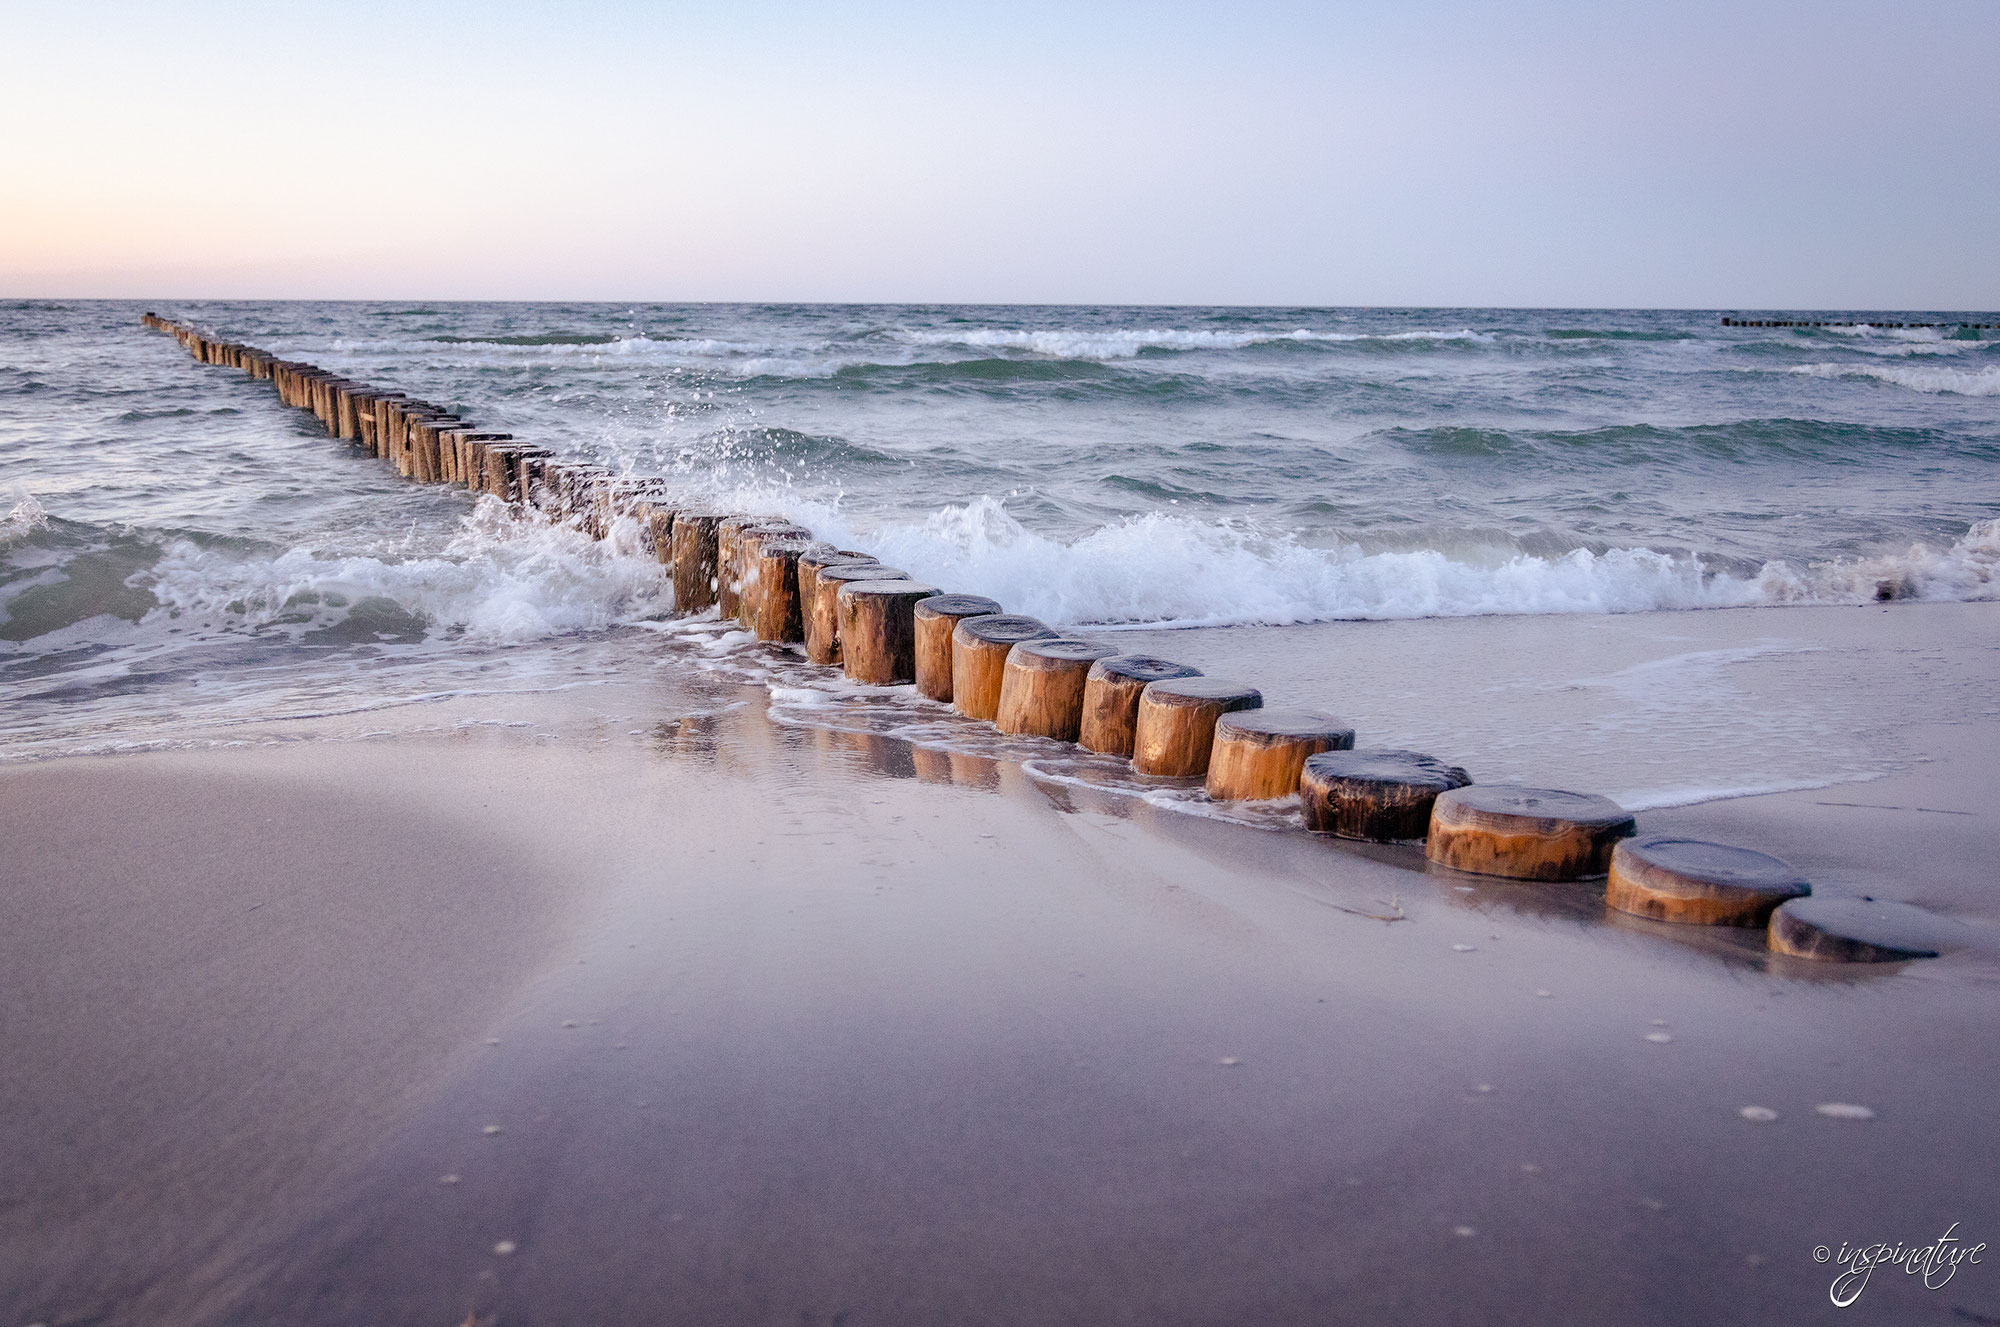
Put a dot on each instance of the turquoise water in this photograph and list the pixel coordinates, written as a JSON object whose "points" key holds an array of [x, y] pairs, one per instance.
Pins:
{"points": [[180, 543]]}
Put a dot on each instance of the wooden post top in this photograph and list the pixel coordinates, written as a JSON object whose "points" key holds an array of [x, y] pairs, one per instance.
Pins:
{"points": [[1000, 629], [739, 521], [1691, 880], [1382, 767], [1201, 690], [1056, 651], [1262, 727], [1509, 806], [1140, 668], [885, 589], [958, 606], [1859, 930], [826, 555], [861, 571]]}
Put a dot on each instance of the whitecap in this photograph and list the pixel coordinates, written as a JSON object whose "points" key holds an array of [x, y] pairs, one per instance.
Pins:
{"points": [[1934, 379]]}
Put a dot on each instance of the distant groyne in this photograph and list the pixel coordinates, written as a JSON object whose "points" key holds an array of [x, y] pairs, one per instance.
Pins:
{"points": [[1887, 327]]}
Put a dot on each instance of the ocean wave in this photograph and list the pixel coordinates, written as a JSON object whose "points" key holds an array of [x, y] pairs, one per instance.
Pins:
{"points": [[1119, 343], [24, 515], [1749, 440], [500, 579], [539, 339], [1956, 382], [1869, 331], [1612, 334], [892, 349], [1169, 571], [735, 359]]}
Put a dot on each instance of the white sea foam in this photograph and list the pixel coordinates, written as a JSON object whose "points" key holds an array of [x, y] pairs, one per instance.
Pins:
{"points": [[822, 358], [1868, 331], [500, 579], [1958, 382], [1162, 570], [1104, 344], [497, 580], [24, 516]]}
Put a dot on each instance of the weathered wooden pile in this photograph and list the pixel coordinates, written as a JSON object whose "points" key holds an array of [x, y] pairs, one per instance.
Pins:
{"points": [[1776, 322], [883, 628]]}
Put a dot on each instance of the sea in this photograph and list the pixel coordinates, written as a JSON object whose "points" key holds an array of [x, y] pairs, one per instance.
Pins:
{"points": [[183, 559]]}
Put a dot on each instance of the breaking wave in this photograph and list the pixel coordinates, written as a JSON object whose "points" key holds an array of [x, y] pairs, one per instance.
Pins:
{"points": [[1120, 343], [1169, 571], [1957, 382], [499, 579]]}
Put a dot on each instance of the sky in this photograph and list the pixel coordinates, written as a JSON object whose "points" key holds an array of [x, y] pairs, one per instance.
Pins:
{"points": [[1734, 156]]}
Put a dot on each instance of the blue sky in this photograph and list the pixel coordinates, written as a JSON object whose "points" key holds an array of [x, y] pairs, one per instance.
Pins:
{"points": [[1747, 155]]}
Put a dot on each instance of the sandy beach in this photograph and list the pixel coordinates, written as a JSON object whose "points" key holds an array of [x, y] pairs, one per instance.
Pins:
{"points": [[652, 1009]]}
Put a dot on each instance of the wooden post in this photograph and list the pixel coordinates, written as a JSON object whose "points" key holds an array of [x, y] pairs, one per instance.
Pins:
{"points": [[344, 426], [1111, 699], [622, 498], [416, 431], [1525, 833], [392, 442], [368, 420], [503, 468], [1258, 754], [878, 629], [524, 465], [572, 486], [405, 456], [309, 381], [326, 402], [1377, 795], [823, 613], [1857, 930], [1041, 686], [1673, 879], [355, 401], [822, 628], [694, 560], [937, 617], [778, 614], [1174, 730], [728, 564], [392, 438], [656, 518], [455, 442], [424, 445], [750, 543], [979, 647], [469, 457]]}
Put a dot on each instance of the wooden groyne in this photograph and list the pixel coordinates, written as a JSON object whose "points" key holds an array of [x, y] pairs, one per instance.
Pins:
{"points": [[1771, 322], [1174, 725]]}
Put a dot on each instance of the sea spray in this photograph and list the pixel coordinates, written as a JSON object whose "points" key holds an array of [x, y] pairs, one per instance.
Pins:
{"points": [[500, 578]]}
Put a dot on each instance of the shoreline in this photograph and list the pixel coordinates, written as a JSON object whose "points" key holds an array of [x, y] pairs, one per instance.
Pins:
{"points": [[908, 1032]]}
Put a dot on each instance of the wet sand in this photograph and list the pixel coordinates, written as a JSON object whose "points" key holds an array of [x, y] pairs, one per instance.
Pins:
{"points": [[783, 1024]]}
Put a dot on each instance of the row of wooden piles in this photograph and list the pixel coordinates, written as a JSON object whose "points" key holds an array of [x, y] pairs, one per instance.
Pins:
{"points": [[883, 628], [1779, 322]]}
